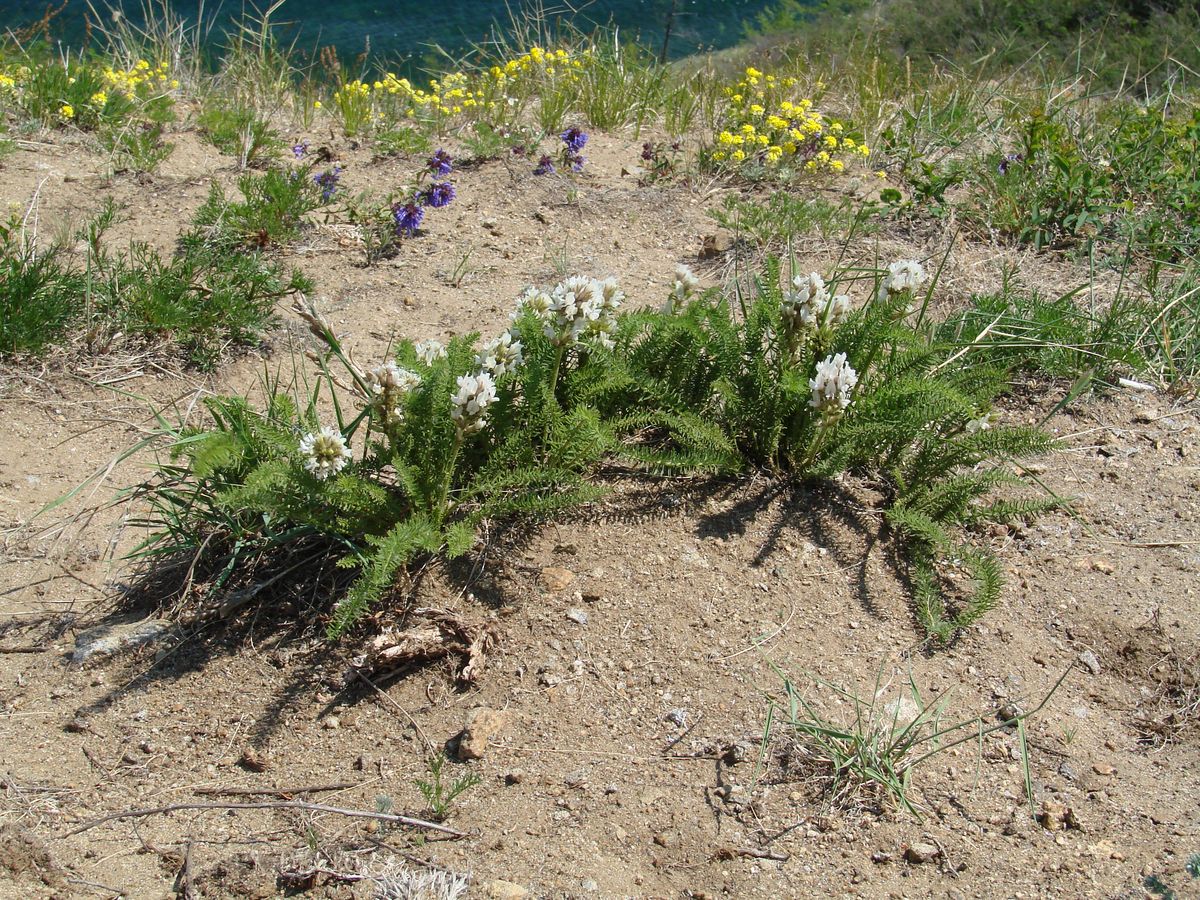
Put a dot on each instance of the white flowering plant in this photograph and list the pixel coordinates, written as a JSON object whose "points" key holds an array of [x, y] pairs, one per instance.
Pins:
{"points": [[791, 374], [794, 376], [380, 464]]}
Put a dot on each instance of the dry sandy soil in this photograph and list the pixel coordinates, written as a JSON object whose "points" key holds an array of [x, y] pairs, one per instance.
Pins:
{"points": [[638, 642]]}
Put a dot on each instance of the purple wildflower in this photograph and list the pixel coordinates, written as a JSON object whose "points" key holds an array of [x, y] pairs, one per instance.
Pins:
{"points": [[408, 217], [1009, 159], [439, 194], [576, 161], [299, 150], [545, 166], [440, 163], [327, 181], [574, 137]]}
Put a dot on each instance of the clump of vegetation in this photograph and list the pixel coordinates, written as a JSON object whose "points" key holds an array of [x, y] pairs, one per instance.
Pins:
{"points": [[202, 300], [385, 222], [776, 220], [271, 211], [429, 445], [867, 758], [127, 109], [768, 128], [238, 130]]}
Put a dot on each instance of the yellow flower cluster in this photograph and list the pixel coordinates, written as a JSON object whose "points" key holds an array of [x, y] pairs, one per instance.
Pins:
{"points": [[9, 81], [764, 122], [536, 61], [139, 80], [361, 103]]}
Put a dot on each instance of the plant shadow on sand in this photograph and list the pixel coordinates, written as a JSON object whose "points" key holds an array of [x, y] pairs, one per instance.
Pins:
{"points": [[275, 607]]}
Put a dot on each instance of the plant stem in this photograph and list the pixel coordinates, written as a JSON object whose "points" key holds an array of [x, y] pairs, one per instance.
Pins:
{"points": [[444, 499], [815, 446], [558, 358]]}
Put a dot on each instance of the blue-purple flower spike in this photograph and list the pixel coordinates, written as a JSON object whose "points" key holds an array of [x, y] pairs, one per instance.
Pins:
{"points": [[328, 182], [545, 166], [439, 194], [574, 137], [441, 163], [299, 150], [408, 217]]}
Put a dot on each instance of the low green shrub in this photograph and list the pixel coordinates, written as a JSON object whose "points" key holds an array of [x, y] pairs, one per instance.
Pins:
{"points": [[39, 292], [238, 131], [411, 457], [201, 300], [782, 216], [271, 210]]}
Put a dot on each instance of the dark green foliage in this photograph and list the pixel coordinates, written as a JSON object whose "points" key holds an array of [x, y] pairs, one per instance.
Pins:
{"points": [[704, 386], [39, 293], [732, 391], [236, 130], [201, 300], [271, 210], [420, 484]]}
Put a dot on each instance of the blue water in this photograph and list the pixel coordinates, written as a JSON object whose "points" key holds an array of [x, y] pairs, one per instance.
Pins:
{"points": [[407, 33]]}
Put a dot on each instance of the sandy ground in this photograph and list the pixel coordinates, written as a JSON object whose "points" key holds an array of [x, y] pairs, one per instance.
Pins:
{"points": [[639, 642]]}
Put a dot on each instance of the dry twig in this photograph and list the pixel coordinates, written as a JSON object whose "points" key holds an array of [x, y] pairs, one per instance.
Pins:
{"points": [[277, 804]]}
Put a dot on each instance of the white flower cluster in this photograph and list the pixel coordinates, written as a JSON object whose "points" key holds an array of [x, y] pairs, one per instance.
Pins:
{"points": [[475, 394], [809, 305], [832, 387], [325, 452], [500, 355], [686, 283], [576, 308], [390, 384], [904, 278], [429, 351], [983, 423]]}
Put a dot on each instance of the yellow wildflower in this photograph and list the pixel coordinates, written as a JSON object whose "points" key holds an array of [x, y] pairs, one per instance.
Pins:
{"points": [[67, 111]]}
